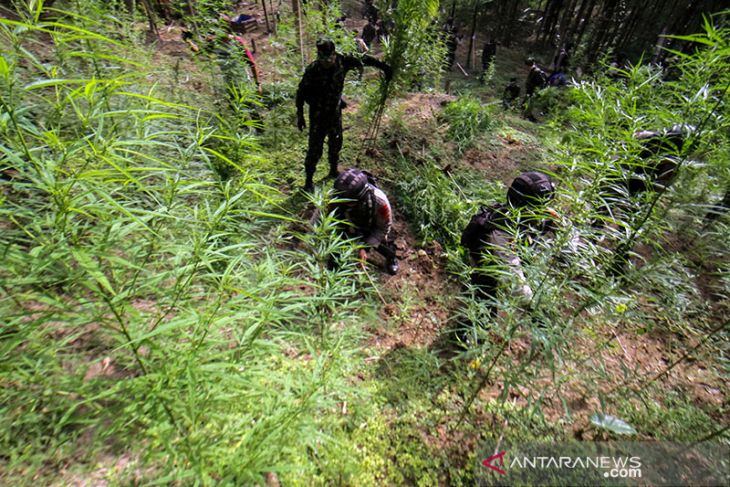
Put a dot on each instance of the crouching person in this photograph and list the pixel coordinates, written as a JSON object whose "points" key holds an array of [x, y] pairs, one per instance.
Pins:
{"points": [[491, 235], [652, 169], [366, 213]]}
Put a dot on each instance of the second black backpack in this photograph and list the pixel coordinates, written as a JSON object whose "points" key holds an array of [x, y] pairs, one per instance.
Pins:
{"points": [[481, 225]]}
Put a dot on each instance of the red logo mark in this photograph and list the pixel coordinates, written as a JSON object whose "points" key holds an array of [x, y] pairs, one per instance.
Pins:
{"points": [[488, 462]]}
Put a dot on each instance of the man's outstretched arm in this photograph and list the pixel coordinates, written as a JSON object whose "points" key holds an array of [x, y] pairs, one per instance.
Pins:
{"points": [[368, 60]]}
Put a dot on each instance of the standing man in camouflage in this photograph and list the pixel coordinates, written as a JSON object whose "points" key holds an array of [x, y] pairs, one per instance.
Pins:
{"points": [[321, 88]]}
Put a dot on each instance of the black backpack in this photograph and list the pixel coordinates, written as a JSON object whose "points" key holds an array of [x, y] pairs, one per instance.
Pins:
{"points": [[361, 215], [481, 225]]}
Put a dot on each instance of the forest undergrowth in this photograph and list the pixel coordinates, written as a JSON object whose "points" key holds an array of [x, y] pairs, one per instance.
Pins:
{"points": [[170, 314]]}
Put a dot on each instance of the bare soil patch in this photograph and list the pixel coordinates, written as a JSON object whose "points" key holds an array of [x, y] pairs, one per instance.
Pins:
{"points": [[415, 313]]}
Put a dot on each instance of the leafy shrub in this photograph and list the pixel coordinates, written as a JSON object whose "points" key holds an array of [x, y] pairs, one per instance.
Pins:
{"points": [[468, 120], [428, 197], [144, 305]]}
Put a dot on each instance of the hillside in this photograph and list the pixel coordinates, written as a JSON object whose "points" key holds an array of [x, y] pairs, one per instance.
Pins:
{"points": [[178, 311]]}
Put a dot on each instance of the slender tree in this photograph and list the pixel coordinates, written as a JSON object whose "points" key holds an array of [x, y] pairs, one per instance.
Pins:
{"points": [[472, 33], [602, 28], [585, 20]]}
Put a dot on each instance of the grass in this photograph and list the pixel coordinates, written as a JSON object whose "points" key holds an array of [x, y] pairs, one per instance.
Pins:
{"points": [[170, 315]]}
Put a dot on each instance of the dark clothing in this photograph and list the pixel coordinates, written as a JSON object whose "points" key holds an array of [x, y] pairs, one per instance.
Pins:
{"points": [[653, 170], [659, 164], [321, 88], [371, 12], [385, 28], [490, 237], [561, 61], [476, 234], [490, 50], [370, 219], [369, 33], [536, 79], [557, 79], [324, 125], [650, 177], [371, 216], [511, 93]]}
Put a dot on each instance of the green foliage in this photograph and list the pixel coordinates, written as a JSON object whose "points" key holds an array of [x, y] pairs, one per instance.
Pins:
{"points": [[570, 272], [415, 50], [320, 20], [671, 416], [468, 120], [139, 310], [428, 196], [165, 300]]}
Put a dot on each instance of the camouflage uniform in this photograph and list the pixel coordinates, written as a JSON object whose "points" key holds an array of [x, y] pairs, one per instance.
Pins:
{"points": [[490, 235], [536, 79], [369, 33], [653, 170], [321, 88], [562, 60], [367, 212], [371, 219], [510, 94]]}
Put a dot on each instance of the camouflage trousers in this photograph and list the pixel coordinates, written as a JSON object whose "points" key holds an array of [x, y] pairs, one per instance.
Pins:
{"points": [[320, 126]]}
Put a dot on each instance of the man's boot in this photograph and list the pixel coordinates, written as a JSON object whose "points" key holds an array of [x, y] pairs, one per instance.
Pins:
{"points": [[392, 266], [333, 171], [309, 184]]}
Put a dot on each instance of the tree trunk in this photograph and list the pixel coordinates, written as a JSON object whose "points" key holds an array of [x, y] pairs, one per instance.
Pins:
{"points": [[273, 16], [475, 15], [562, 28], [581, 28], [500, 29], [629, 27], [681, 25], [602, 29], [508, 17], [565, 20], [300, 40], [575, 22], [266, 16], [612, 32], [550, 19], [150, 17]]}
